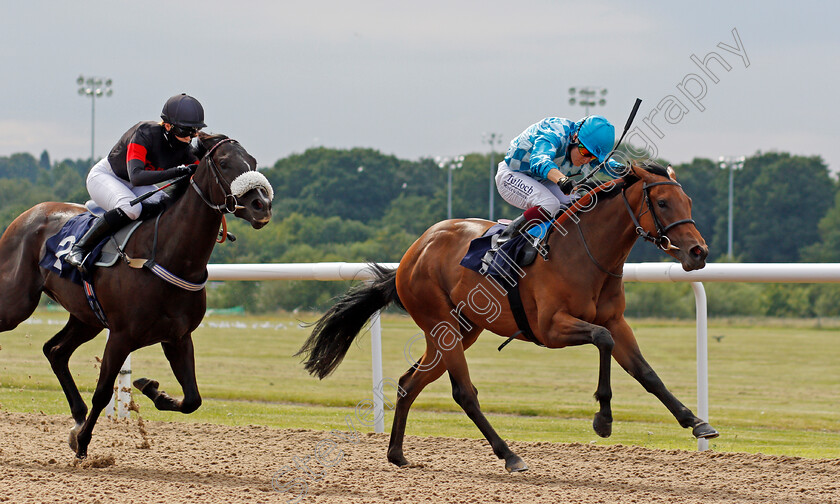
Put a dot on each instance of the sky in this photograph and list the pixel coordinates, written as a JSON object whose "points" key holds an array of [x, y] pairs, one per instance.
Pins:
{"points": [[425, 79]]}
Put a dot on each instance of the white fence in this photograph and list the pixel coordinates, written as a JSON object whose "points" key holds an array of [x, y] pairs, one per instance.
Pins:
{"points": [[642, 272]]}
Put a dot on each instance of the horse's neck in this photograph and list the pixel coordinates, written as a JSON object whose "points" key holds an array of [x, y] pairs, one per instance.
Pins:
{"points": [[608, 230], [187, 235]]}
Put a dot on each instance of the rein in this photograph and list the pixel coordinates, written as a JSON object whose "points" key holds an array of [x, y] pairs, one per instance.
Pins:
{"points": [[661, 240], [592, 257]]}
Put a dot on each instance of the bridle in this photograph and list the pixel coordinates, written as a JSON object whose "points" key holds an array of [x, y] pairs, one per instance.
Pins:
{"points": [[231, 203], [661, 240]]}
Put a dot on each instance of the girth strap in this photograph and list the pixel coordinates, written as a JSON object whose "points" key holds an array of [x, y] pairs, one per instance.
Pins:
{"points": [[519, 316], [159, 270], [93, 301]]}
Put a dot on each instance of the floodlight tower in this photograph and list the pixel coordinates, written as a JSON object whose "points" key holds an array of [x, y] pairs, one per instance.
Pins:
{"points": [[95, 87]]}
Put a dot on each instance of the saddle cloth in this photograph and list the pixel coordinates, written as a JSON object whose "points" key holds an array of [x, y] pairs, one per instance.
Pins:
{"points": [[103, 254]]}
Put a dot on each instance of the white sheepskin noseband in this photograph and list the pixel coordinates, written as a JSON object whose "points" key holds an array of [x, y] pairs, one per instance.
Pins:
{"points": [[251, 180]]}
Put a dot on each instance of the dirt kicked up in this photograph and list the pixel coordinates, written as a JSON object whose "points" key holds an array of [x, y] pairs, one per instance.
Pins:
{"points": [[188, 462]]}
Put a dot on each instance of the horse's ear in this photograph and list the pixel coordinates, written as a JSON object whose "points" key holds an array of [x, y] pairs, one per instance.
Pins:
{"points": [[203, 144], [671, 173]]}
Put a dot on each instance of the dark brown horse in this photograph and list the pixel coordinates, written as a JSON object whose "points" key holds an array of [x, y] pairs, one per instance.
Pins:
{"points": [[141, 308], [574, 297]]}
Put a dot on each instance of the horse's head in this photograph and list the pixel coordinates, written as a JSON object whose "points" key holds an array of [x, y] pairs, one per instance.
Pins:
{"points": [[665, 216], [232, 182]]}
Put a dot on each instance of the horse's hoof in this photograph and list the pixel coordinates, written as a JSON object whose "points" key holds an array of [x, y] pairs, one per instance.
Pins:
{"points": [[515, 464], [602, 425], [398, 460], [704, 431], [142, 383], [73, 441]]}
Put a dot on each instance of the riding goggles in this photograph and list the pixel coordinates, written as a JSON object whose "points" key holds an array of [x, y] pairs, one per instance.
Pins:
{"points": [[184, 132], [583, 152]]}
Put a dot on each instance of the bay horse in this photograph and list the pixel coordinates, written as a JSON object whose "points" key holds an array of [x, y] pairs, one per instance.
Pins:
{"points": [[574, 297], [140, 308]]}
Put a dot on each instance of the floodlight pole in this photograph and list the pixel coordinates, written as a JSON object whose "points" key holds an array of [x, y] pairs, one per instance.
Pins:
{"points": [[492, 138], [731, 163], [93, 87], [449, 165]]}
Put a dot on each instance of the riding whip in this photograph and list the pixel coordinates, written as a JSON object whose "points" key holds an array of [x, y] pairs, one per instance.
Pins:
{"points": [[142, 197]]}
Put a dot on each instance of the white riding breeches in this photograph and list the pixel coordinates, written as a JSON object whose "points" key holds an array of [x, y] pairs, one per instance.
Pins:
{"points": [[110, 192], [524, 191]]}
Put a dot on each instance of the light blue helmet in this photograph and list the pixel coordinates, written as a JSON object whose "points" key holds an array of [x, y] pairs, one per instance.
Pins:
{"points": [[597, 135]]}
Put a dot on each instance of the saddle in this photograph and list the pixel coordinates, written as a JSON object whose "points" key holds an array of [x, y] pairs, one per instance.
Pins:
{"points": [[115, 244], [515, 254]]}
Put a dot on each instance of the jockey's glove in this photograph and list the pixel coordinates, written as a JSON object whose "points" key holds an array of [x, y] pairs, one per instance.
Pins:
{"points": [[179, 171], [566, 185]]}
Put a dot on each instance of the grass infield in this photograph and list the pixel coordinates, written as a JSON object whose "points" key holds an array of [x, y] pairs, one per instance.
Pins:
{"points": [[774, 385]]}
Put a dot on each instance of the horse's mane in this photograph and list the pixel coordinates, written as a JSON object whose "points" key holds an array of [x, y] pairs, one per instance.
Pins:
{"points": [[206, 141], [613, 188]]}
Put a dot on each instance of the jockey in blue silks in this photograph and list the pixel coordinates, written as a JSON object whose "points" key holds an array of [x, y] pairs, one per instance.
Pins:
{"points": [[537, 172]]}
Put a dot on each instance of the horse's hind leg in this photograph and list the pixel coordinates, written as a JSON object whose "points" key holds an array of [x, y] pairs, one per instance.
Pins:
{"points": [[58, 351], [20, 291], [182, 361], [628, 355], [444, 338], [466, 395], [425, 371]]}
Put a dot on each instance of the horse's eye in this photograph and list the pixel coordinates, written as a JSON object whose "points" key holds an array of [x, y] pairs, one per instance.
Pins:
{"points": [[661, 203]]}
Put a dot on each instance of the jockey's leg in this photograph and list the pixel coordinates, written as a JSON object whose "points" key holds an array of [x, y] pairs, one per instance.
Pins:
{"points": [[523, 191], [112, 221], [530, 217], [112, 194], [541, 199]]}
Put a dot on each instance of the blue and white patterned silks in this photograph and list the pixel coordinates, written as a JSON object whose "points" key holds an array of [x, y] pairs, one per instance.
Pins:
{"points": [[544, 145]]}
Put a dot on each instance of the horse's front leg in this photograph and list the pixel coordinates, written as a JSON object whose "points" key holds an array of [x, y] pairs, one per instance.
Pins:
{"points": [[180, 355], [628, 355], [566, 330], [116, 350]]}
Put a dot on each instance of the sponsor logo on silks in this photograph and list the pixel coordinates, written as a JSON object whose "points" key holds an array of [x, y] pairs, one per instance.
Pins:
{"points": [[516, 183]]}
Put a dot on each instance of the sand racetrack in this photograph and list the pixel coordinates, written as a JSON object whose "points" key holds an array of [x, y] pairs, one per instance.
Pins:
{"points": [[187, 462]]}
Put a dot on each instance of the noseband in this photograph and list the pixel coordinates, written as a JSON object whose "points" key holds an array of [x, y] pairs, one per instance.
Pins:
{"points": [[231, 203], [662, 241]]}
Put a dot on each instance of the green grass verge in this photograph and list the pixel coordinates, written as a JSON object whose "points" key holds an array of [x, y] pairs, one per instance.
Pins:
{"points": [[774, 384]]}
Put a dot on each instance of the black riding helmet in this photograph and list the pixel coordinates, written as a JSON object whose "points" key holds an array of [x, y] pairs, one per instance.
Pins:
{"points": [[183, 110]]}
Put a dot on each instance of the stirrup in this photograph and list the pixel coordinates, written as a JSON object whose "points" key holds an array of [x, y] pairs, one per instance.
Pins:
{"points": [[76, 258], [486, 261]]}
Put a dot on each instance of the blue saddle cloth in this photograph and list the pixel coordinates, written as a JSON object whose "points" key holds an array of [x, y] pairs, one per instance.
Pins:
{"points": [[512, 250], [59, 245]]}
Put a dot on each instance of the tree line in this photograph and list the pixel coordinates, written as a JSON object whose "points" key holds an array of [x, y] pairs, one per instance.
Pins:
{"points": [[359, 204]]}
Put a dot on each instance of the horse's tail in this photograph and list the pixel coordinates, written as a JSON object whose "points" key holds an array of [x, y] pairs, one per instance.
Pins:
{"points": [[333, 333]]}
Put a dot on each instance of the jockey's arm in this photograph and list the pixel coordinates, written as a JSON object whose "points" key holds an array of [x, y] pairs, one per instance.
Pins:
{"points": [[542, 159]]}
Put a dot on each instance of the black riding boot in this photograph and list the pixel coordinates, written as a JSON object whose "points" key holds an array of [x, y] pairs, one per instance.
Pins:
{"points": [[109, 223], [500, 239], [508, 232]]}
